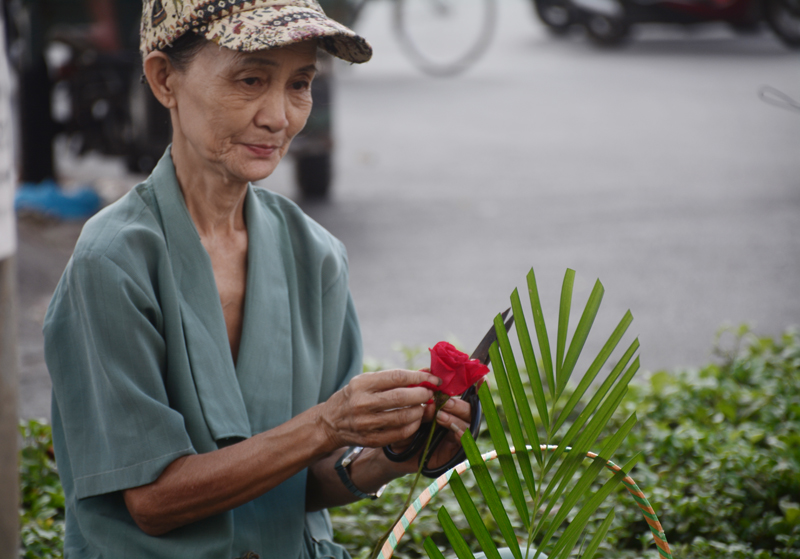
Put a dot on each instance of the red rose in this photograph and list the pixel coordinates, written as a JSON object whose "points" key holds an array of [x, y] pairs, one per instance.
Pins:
{"points": [[455, 368]]}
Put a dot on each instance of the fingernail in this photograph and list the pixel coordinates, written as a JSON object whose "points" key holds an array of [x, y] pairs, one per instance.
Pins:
{"points": [[443, 417], [455, 428]]}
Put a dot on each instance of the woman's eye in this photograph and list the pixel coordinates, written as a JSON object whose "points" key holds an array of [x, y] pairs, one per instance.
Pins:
{"points": [[251, 81], [301, 85]]}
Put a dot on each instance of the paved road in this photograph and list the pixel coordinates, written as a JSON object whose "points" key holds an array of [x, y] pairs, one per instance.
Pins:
{"points": [[655, 168]]}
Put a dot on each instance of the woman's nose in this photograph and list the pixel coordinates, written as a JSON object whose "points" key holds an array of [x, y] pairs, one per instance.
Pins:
{"points": [[271, 113]]}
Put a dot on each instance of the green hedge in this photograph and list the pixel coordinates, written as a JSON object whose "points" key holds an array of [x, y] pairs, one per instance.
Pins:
{"points": [[41, 516], [721, 467], [722, 453]]}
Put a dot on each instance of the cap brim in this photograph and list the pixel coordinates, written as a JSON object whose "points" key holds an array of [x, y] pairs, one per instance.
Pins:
{"points": [[273, 27]]}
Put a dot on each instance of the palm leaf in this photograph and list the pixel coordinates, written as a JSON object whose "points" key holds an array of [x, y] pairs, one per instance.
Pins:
{"points": [[563, 325], [474, 518], [588, 477], [515, 382], [569, 466], [584, 424], [498, 435], [581, 333], [541, 332], [580, 520], [594, 368], [431, 549], [454, 536], [504, 453], [530, 362], [598, 537], [489, 491], [597, 399]]}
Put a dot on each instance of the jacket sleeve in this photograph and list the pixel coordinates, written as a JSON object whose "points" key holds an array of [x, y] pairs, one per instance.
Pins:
{"points": [[106, 355]]}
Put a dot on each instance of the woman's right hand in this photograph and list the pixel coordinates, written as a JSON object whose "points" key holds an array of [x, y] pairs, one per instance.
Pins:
{"points": [[376, 409]]}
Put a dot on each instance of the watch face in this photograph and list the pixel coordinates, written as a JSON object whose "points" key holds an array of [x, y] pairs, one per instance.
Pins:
{"points": [[351, 454]]}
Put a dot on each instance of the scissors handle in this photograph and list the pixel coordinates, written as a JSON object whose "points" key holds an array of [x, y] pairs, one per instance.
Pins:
{"points": [[421, 436], [416, 445]]}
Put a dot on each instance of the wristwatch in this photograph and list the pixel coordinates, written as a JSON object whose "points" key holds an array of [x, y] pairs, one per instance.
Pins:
{"points": [[344, 461]]}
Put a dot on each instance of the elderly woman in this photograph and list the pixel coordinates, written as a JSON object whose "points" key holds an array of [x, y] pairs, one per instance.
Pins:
{"points": [[202, 342]]}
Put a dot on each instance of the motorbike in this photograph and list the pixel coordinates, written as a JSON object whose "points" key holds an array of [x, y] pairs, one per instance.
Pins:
{"points": [[608, 22]]}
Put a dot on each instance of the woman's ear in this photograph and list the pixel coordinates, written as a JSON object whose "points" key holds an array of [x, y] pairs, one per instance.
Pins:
{"points": [[159, 72]]}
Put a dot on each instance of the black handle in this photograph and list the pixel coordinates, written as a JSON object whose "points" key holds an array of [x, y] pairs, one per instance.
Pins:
{"points": [[470, 396], [418, 442]]}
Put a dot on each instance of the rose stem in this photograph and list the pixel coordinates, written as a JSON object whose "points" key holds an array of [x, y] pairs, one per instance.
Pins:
{"points": [[424, 457]]}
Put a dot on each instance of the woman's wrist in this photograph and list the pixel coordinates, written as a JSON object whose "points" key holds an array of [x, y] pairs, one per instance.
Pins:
{"points": [[371, 470]]}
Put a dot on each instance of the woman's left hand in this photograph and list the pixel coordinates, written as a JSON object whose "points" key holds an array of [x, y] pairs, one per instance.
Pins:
{"points": [[455, 416]]}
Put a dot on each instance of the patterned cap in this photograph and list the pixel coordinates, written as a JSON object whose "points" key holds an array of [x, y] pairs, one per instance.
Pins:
{"points": [[249, 25]]}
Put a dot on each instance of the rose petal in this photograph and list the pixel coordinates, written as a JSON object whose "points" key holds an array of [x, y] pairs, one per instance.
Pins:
{"points": [[457, 371]]}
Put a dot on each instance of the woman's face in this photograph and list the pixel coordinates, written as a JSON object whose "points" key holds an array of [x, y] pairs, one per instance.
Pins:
{"points": [[238, 112]]}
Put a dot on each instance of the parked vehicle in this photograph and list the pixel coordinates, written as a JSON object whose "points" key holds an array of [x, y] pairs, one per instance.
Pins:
{"points": [[101, 104], [608, 22]]}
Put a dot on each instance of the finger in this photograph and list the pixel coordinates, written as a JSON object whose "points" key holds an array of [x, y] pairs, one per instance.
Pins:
{"points": [[377, 439], [402, 418], [459, 408], [397, 378], [400, 398], [453, 423]]}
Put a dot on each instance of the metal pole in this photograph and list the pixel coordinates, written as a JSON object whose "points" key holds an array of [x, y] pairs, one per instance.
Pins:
{"points": [[9, 480]]}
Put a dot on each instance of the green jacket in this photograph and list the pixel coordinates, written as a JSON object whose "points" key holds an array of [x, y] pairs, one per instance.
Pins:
{"points": [[137, 348]]}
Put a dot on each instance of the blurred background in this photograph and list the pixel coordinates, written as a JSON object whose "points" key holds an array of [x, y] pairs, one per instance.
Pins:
{"points": [[605, 136]]}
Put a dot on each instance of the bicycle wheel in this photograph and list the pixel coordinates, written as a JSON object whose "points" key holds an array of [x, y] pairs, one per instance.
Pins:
{"points": [[444, 37]]}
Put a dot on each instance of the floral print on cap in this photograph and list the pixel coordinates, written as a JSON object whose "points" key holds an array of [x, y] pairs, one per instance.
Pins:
{"points": [[249, 25]]}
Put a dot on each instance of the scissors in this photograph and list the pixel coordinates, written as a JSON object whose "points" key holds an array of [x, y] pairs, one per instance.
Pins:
{"points": [[470, 395]]}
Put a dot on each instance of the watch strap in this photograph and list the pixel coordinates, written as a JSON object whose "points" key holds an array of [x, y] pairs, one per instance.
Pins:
{"points": [[344, 461]]}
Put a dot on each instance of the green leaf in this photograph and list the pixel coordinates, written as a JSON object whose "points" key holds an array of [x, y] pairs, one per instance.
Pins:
{"points": [[588, 477], [499, 436], [522, 404], [581, 334], [616, 439], [489, 491], [588, 509], [530, 361], [473, 518], [598, 537], [431, 549], [457, 542], [594, 402], [516, 437], [586, 439], [541, 332], [606, 409], [566, 544], [594, 369], [583, 484], [563, 325]]}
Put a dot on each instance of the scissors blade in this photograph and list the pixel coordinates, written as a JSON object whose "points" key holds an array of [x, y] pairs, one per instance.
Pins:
{"points": [[481, 352]]}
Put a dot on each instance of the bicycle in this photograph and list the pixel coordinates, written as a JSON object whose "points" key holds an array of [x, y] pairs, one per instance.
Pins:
{"points": [[440, 37]]}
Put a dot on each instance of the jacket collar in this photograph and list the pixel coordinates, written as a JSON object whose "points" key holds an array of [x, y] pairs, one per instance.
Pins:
{"points": [[205, 334]]}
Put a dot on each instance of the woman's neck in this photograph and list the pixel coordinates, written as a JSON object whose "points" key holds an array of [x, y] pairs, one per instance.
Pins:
{"points": [[215, 202]]}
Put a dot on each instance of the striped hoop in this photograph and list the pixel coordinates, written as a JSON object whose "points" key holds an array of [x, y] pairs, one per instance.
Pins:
{"points": [[441, 482]]}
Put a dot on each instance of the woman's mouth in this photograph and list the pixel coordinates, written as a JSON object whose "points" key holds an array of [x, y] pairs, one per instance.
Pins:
{"points": [[261, 150]]}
